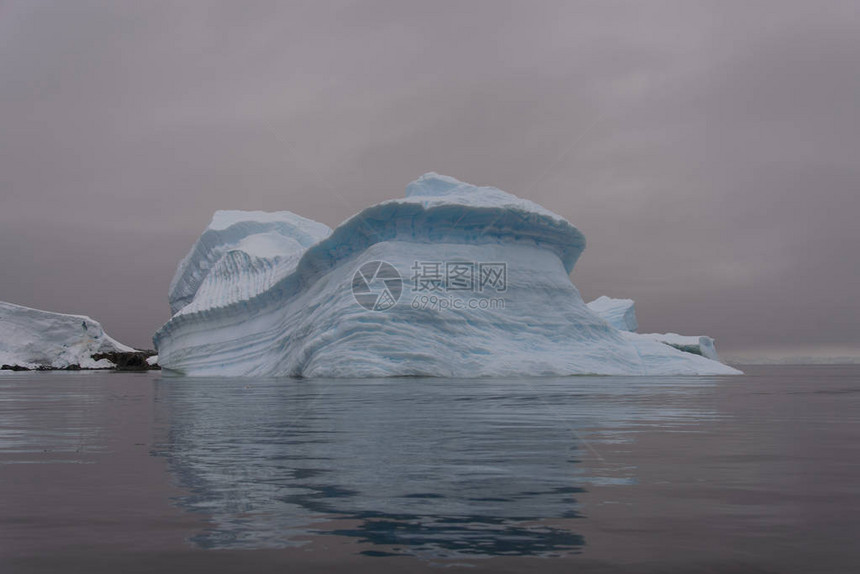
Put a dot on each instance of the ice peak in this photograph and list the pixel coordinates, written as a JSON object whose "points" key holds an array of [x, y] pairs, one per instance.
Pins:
{"points": [[434, 189], [260, 234], [432, 184], [224, 218]]}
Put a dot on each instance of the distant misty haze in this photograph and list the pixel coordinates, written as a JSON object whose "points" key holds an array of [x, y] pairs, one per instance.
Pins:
{"points": [[707, 150]]}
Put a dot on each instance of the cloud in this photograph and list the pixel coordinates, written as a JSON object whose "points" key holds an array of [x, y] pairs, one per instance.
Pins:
{"points": [[706, 150]]}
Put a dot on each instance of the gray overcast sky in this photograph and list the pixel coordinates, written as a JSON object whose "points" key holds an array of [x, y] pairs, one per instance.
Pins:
{"points": [[708, 151]]}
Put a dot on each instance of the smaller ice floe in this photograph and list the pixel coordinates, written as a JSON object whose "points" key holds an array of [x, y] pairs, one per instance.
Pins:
{"points": [[35, 339]]}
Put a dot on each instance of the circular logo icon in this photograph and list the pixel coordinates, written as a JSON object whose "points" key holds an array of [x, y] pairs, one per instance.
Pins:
{"points": [[377, 286]]}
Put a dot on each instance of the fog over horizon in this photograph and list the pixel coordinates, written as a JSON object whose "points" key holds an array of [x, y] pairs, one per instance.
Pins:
{"points": [[708, 151]]}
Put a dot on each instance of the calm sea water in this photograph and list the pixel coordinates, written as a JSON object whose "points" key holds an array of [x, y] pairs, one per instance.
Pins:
{"points": [[109, 472]]}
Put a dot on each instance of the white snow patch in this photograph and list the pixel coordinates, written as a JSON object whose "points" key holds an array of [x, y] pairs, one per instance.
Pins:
{"points": [[32, 338]]}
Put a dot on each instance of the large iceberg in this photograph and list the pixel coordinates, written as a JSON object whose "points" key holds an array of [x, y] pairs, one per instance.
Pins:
{"points": [[453, 280], [35, 339]]}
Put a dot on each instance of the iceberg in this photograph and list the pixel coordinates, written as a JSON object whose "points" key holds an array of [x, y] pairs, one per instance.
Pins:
{"points": [[454, 280], [35, 339]]}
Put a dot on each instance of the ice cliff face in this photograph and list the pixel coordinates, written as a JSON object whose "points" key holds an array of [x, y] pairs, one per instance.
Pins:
{"points": [[453, 280], [33, 339]]}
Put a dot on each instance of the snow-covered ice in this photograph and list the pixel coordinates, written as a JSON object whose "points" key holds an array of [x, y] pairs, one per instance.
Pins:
{"points": [[279, 295], [32, 339]]}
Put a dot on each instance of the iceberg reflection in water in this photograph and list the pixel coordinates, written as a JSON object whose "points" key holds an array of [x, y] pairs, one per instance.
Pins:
{"points": [[441, 467]]}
